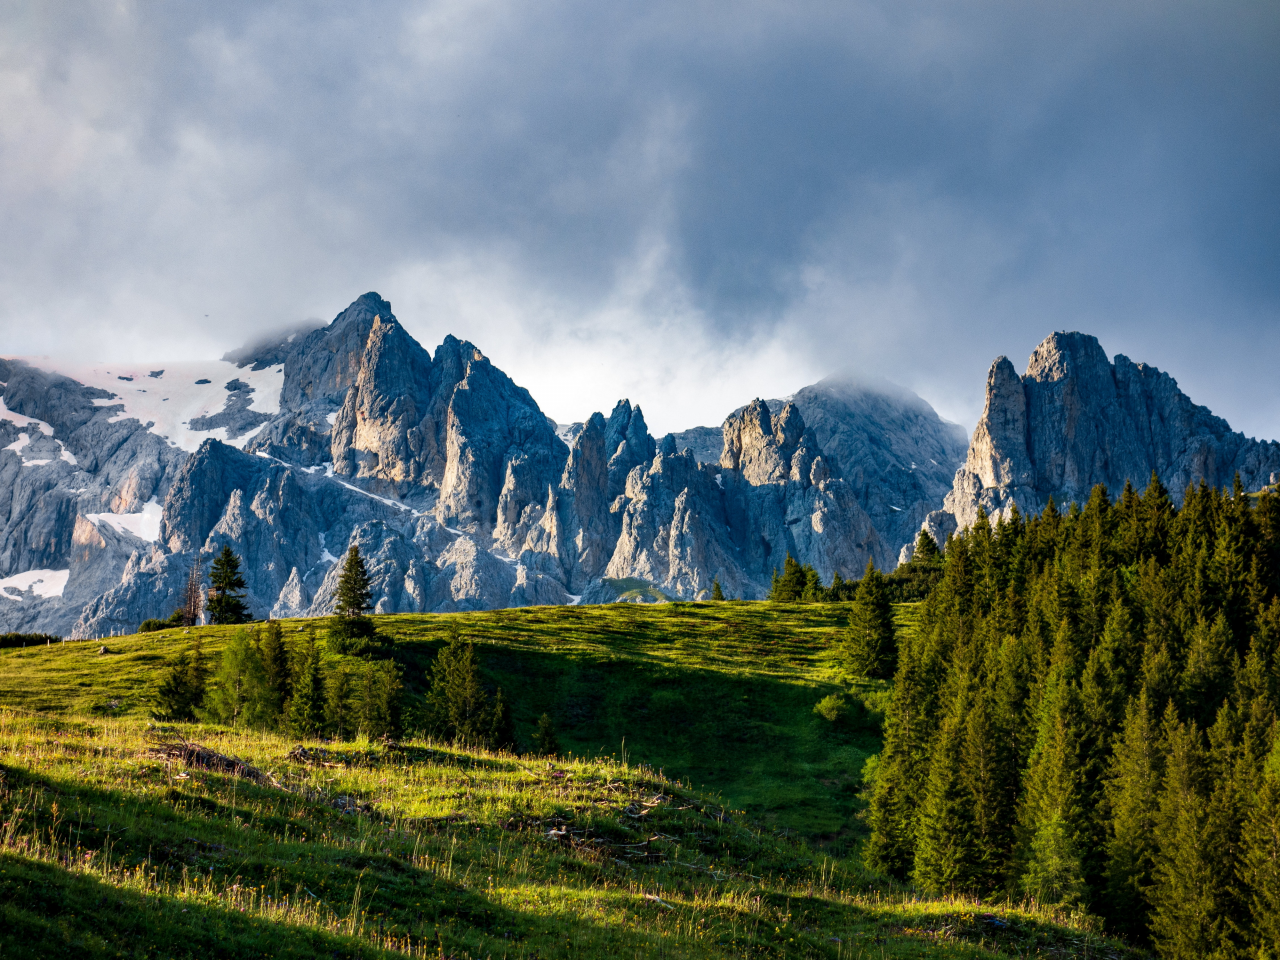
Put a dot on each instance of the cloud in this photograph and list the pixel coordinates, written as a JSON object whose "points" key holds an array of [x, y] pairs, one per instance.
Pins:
{"points": [[689, 203]]}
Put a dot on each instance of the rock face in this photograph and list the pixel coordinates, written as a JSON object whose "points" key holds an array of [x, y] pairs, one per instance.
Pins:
{"points": [[459, 492], [1076, 419]]}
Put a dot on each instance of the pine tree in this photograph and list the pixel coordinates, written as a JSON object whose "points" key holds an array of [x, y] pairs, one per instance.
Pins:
{"points": [[716, 593], [945, 855], [1187, 917], [789, 588], [226, 599], [275, 664], [1132, 787], [1260, 867], [181, 689], [870, 645], [337, 702], [238, 692], [377, 700], [989, 771], [351, 606], [1054, 818], [306, 707], [926, 549], [457, 707], [545, 742]]}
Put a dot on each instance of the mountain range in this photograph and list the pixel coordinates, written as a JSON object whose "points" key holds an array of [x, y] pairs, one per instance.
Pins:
{"points": [[463, 495]]}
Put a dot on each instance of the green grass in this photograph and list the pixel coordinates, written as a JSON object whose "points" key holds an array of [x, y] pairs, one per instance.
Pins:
{"points": [[726, 827], [720, 694]]}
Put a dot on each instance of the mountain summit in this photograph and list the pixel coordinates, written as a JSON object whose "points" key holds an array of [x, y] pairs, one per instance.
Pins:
{"points": [[1076, 419], [462, 495]]}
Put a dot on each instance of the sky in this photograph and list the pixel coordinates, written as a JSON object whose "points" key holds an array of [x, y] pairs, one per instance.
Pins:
{"points": [[688, 204]]}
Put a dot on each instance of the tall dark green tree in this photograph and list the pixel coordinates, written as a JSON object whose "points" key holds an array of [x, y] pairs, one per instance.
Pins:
{"points": [[458, 708], [238, 691], [946, 856], [306, 706], [352, 603], [226, 598], [275, 665], [546, 742], [1133, 790], [1260, 867], [377, 699], [870, 643], [183, 685], [789, 587]]}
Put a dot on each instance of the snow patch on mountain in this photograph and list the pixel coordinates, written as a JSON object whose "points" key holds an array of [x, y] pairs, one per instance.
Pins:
{"points": [[145, 525], [43, 583], [169, 402]]}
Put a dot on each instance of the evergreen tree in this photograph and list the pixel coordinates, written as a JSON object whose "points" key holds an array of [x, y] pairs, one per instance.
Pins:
{"points": [[1188, 913], [182, 687], [238, 692], [716, 593], [275, 665], [337, 702], [789, 588], [870, 645], [306, 706], [377, 700], [352, 604], [457, 708], [545, 741], [1054, 819], [989, 772], [1133, 783], [226, 599], [926, 549], [945, 856], [1260, 867]]}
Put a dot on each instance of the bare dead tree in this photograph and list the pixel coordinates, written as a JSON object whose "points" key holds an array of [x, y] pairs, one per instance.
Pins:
{"points": [[193, 599]]}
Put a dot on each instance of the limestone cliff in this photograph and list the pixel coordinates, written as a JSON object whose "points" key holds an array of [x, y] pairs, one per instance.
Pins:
{"points": [[1076, 419]]}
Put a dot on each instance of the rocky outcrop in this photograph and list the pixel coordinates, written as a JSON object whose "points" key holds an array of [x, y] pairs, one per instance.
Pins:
{"points": [[1076, 419], [685, 523]]}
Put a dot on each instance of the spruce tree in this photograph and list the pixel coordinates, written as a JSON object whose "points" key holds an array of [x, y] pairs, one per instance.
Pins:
{"points": [[789, 588], [337, 702], [457, 707], [926, 549], [1132, 787], [238, 692], [176, 700], [352, 602], [1187, 909], [945, 855], [990, 774], [1260, 866], [306, 707], [226, 600], [870, 645], [545, 741], [275, 664], [716, 593], [377, 700]]}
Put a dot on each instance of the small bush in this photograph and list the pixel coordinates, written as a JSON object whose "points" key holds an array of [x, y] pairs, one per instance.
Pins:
{"points": [[832, 707]]}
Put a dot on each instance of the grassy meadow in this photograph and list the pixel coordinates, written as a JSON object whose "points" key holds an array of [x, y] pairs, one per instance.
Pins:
{"points": [[703, 809]]}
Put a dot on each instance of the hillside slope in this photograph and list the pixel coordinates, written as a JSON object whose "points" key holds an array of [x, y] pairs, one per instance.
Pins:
{"points": [[113, 845]]}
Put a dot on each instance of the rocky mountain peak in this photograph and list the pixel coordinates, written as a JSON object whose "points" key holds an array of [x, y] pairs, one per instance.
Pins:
{"points": [[767, 449], [1075, 420]]}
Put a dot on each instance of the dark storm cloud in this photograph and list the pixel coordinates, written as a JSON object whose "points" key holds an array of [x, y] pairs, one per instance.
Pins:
{"points": [[696, 203]]}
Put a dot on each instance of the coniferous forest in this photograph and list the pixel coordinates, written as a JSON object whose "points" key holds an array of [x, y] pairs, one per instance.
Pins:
{"points": [[1087, 716]]}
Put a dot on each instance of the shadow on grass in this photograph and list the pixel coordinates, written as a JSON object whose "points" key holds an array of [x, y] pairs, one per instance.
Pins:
{"points": [[48, 911]]}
